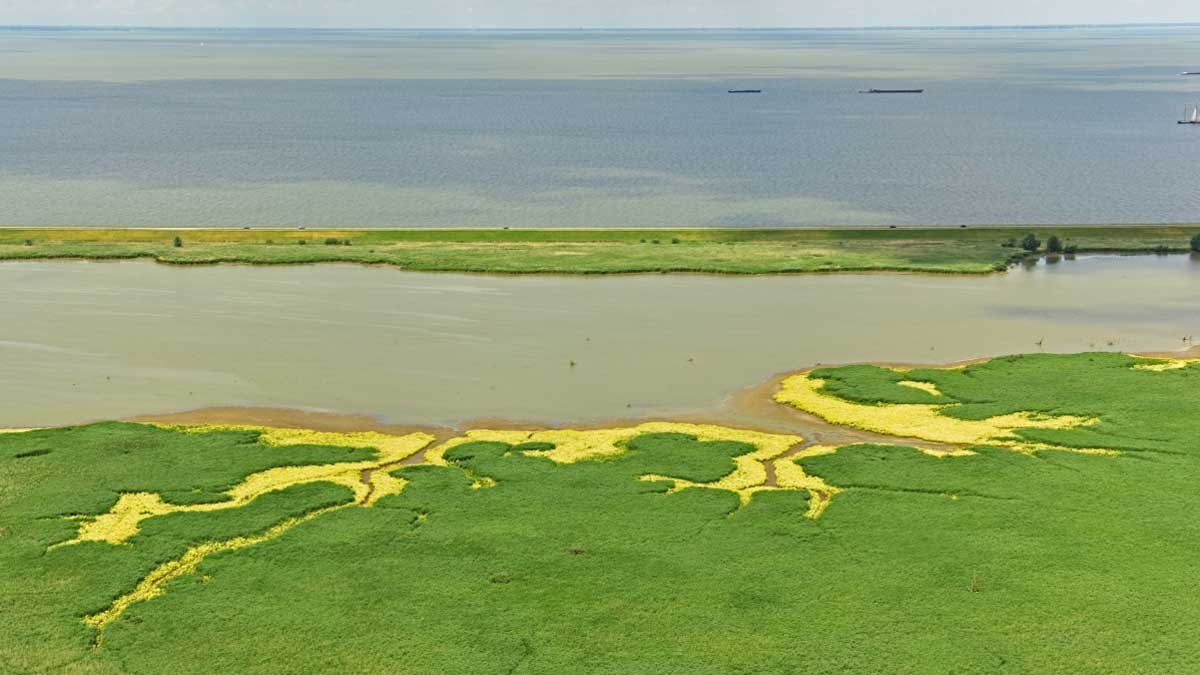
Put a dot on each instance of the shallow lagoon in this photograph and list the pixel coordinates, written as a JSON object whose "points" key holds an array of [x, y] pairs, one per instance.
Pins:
{"points": [[86, 341]]}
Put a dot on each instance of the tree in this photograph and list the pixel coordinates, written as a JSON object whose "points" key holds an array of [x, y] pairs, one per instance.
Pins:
{"points": [[1031, 243], [1053, 244], [1196, 242], [178, 241]]}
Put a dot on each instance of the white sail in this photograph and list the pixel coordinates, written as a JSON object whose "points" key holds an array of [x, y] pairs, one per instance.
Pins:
{"points": [[1195, 114]]}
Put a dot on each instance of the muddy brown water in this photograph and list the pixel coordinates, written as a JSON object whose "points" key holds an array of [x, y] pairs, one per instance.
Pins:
{"points": [[82, 341]]}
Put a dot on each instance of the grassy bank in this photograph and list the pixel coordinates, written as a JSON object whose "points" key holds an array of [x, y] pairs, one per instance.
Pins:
{"points": [[1052, 532], [724, 251]]}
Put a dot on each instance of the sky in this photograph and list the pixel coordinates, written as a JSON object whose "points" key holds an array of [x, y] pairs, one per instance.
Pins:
{"points": [[587, 13]]}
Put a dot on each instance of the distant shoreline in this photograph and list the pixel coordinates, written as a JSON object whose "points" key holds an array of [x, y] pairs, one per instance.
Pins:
{"points": [[584, 30], [593, 251]]}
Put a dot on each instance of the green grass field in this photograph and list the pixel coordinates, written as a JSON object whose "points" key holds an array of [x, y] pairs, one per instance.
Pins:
{"points": [[579, 251], [1063, 542]]}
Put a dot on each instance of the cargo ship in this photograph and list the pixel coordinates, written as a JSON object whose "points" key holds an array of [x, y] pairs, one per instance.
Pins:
{"points": [[745, 91], [892, 91]]}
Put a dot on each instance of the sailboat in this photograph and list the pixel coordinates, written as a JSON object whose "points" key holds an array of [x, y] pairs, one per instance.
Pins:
{"points": [[1191, 114]]}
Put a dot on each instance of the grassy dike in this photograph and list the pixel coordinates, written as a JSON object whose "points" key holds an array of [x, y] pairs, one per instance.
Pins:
{"points": [[976, 250]]}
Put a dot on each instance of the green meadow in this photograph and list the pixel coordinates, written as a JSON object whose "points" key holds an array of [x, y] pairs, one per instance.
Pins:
{"points": [[976, 250], [1051, 548]]}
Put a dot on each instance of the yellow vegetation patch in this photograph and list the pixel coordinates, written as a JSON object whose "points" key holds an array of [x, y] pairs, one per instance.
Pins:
{"points": [[750, 468], [481, 482], [124, 519], [397, 447], [1098, 452], [370, 480], [15, 431], [949, 452], [571, 445], [1160, 365], [789, 475], [922, 421], [749, 475], [152, 585], [772, 456], [383, 483], [927, 387]]}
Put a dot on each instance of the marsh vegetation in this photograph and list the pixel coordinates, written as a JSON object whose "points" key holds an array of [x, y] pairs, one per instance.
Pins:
{"points": [[1061, 519], [582, 251]]}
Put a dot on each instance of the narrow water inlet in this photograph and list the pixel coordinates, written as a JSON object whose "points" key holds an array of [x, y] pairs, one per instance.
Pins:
{"points": [[87, 341]]}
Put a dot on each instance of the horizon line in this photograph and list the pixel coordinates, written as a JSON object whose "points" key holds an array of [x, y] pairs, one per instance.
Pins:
{"points": [[454, 29]]}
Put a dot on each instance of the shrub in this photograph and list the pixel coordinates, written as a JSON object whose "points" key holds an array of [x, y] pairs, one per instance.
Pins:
{"points": [[1196, 242], [1070, 248], [1011, 242], [1054, 244], [302, 242], [1031, 243], [29, 242], [332, 241], [178, 241], [1162, 249], [654, 241], [674, 240]]}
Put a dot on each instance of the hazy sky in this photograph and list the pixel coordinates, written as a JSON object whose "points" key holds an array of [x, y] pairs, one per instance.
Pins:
{"points": [[592, 13]]}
